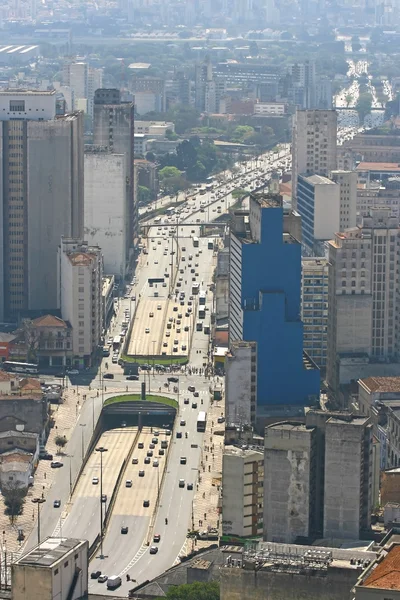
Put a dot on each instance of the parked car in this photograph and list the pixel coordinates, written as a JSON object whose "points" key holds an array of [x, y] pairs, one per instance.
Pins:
{"points": [[56, 464]]}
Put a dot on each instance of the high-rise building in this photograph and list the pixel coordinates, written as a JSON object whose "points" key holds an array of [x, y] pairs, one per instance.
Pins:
{"points": [[318, 203], [105, 221], [265, 303], [323, 93], [304, 77], [314, 308], [313, 145], [289, 492], [83, 80], [209, 89], [242, 491], [113, 128], [363, 298], [241, 384], [80, 296], [41, 163], [348, 197]]}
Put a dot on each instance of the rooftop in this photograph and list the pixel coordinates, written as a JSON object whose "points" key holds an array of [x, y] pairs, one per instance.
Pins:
{"points": [[49, 321], [49, 552], [378, 166], [288, 426], [386, 574], [80, 258], [381, 384], [319, 180], [243, 452]]}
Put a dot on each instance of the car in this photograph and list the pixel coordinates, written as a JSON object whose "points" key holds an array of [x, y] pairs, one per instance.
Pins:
{"points": [[154, 440], [153, 549], [161, 452], [196, 394], [158, 306], [151, 314], [189, 486], [114, 360], [168, 431], [152, 446], [146, 503], [183, 460], [220, 419], [183, 347], [132, 378], [104, 497], [57, 503], [156, 538], [140, 445], [186, 328], [147, 330], [155, 463], [95, 574], [164, 284], [141, 473], [150, 453], [165, 344], [124, 529], [135, 461], [156, 433], [167, 334], [173, 379], [56, 464], [179, 434], [181, 483], [108, 376], [186, 401], [175, 309], [73, 372], [128, 483], [43, 455], [191, 388], [194, 404], [102, 578], [182, 422]]}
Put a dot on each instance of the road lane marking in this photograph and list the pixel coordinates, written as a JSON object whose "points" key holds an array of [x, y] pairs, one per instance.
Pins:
{"points": [[134, 560]]}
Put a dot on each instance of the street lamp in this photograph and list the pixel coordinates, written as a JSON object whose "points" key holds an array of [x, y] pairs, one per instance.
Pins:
{"points": [[82, 445], [38, 501], [101, 449]]}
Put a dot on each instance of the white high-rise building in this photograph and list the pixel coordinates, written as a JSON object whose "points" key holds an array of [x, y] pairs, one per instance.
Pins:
{"points": [[80, 296], [84, 81], [313, 145], [348, 197]]}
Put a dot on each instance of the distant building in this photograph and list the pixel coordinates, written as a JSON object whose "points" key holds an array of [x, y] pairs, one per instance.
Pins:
{"points": [[58, 567], [80, 296], [149, 94], [314, 308], [265, 304], [242, 491], [51, 338], [153, 128], [269, 108], [313, 145], [83, 80], [42, 160]]}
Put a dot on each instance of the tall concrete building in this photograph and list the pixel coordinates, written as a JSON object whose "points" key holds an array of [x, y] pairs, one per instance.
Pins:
{"points": [[314, 308], [242, 491], [105, 220], [303, 77], [209, 89], [241, 384], [80, 296], [41, 196], [289, 494], [265, 304], [113, 128], [313, 145], [83, 80], [348, 197], [363, 299]]}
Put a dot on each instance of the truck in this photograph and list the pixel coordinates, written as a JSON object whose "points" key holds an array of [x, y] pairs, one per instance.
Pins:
{"points": [[113, 582]]}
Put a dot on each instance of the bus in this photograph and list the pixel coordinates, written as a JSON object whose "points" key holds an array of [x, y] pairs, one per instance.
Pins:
{"points": [[20, 367], [202, 297], [170, 211], [157, 220], [116, 342], [201, 421], [195, 288], [195, 242], [202, 313]]}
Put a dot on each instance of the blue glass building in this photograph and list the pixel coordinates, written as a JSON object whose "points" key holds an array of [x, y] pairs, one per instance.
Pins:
{"points": [[265, 288]]}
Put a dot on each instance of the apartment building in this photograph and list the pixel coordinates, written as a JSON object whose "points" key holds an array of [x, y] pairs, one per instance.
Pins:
{"points": [[242, 491], [113, 128], [313, 145], [80, 296], [363, 301], [41, 166], [348, 197], [314, 308], [375, 194]]}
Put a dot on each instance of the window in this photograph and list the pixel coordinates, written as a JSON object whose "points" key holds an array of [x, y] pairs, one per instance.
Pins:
{"points": [[17, 105], [56, 572], [65, 564]]}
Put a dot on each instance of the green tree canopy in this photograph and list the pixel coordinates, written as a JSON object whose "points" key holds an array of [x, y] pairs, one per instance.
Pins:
{"points": [[167, 172], [363, 106], [194, 591]]}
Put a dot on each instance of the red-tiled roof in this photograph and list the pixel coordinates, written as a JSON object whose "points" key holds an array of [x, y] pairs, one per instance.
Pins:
{"points": [[49, 321], [382, 384], [386, 574]]}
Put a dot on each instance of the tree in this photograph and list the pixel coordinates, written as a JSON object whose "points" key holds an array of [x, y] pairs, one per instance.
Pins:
{"points": [[144, 194], [168, 172], [32, 340], [61, 441], [239, 193], [194, 591], [14, 497], [171, 135], [349, 99], [363, 106], [150, 156]]}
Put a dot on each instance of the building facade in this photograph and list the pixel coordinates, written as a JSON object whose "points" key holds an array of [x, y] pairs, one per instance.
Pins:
{"points": [[314, 308], [113, 128], [241, 383], [265, 304], [348, 197], [313, 145], [80, 297], [41, 166], [242, 491]]}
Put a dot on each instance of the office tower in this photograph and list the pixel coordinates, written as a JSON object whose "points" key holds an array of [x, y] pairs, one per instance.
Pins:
{"points": [[80, 296], [242, 491], [289, 471], [348, 475], [265, 303], [318, 203], [363, 299], [113, 128], [348, 197], [41, 197], [313, 145], [241, 384], [84, 81], [304, 78], [314, 308], [105, 221]]}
